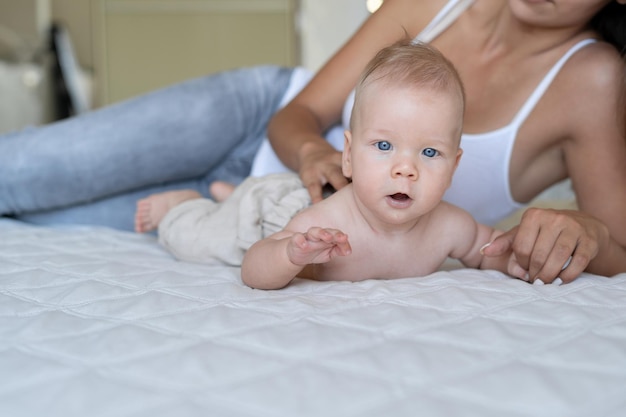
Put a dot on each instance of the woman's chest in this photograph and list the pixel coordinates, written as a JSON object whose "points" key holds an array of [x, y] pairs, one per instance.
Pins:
{"points": [[505, 93]]}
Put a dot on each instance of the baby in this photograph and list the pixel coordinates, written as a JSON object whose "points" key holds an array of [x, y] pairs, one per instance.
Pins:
{"points": [[400, 153]]}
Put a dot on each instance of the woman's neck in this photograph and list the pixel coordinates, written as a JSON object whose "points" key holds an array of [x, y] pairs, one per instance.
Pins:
{"points": [[506, 34]]}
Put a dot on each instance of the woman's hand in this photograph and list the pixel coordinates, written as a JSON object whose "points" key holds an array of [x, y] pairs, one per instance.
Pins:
{"points": [[545, 239], [320, 164]]}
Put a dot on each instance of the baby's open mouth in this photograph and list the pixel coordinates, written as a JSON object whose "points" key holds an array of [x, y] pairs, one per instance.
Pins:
{"points": [[399, 197]]}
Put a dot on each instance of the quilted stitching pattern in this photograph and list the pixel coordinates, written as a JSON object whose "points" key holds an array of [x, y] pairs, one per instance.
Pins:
{"points": [[96, 322]]}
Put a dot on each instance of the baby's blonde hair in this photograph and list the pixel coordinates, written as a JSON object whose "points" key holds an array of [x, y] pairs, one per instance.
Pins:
{"points": [[411, 64]]}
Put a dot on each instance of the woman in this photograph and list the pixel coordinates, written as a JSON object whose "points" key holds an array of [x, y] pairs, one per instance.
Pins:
{"points": [[574, 126], [92, 169]]}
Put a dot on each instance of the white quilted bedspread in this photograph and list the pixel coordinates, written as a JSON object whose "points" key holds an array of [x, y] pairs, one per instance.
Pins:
{"points": [[96, 322]]}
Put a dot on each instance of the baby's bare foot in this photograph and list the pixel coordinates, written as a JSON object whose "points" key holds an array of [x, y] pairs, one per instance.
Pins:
{"points": [[152, 209], [221, 190]]}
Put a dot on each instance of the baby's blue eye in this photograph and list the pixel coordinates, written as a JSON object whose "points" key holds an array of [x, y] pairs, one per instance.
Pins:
{"points": [[383, 145], [430, 152]]}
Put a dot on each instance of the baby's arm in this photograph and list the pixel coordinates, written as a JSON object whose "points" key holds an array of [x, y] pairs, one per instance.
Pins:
{"points": [[274, 262], [469, 239], [504, 263]]}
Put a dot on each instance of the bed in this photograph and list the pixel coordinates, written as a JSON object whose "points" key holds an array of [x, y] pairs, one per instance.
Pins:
{"points": [[98, 322]]}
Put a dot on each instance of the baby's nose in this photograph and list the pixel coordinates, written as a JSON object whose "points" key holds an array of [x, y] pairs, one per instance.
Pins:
{"points": [[405, 168]]}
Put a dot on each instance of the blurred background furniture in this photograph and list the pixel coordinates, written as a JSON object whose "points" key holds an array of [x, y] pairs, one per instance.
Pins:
{"points": [[115, 49]]}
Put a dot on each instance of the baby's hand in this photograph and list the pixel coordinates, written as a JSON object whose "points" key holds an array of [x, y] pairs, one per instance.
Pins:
{"points": [[317, 246]]}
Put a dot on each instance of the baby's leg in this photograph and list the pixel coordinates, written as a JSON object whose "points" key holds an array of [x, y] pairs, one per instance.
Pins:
{"points": [[221, 190], [152, 209]]}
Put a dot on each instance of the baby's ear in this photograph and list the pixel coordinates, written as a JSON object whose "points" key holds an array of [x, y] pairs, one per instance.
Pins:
{"points": [[346, 157], [459, 153]]}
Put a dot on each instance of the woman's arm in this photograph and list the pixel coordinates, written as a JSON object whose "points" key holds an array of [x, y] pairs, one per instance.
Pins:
{"points": [[467, 239], [596, 162], [296, 131], [595, 158]]}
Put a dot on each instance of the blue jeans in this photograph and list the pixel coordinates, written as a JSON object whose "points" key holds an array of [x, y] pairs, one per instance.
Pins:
{"points": [[93, 168]]}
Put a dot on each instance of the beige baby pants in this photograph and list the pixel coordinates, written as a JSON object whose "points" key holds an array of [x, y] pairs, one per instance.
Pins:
{"points": [[204, 231]]}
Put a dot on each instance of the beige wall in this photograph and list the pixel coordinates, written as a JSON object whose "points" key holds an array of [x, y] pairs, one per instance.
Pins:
{"points": [[30, 21], [22, 24], [324, 26], [142, 45], [133, 46], [76, 16]]}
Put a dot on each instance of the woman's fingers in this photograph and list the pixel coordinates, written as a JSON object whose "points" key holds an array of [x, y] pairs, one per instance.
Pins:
{"points": [[314, 188], [501, 244], [320, 169], [336, 179], [550, 244], [576, 265], [542, 248], [555, 244]]}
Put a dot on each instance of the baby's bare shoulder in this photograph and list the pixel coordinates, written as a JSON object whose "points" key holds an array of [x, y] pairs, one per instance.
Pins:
{"points": [[449, 215], [333, 212]]}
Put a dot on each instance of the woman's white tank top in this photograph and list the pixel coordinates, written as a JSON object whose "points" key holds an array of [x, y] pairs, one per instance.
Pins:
{"points": [[481, 182]]}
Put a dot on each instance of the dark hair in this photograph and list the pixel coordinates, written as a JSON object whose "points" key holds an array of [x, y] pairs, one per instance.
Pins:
{"points": [[610, 23]]}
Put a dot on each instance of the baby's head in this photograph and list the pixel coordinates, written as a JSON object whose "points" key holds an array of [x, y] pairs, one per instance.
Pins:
{"points": [[403, 144], [410, 65]]}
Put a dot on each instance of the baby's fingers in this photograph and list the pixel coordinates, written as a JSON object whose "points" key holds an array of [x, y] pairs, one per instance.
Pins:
{"points": [[342, 245], [334, 238], [317, 234], [326, 235]]}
